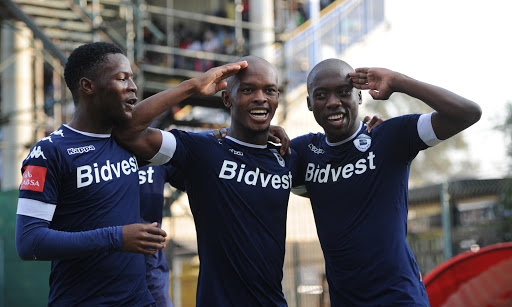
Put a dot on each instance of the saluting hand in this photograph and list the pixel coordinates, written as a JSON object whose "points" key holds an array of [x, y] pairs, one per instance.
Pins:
{"points": [[213, 81], [378, 80]]}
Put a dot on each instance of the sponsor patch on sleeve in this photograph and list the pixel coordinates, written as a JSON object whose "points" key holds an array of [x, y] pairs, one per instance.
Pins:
{"points": [[33, 178]]}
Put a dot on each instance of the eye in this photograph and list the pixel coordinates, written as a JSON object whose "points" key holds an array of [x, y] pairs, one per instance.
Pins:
{"points": [[246, 90], [272, 91], [320, 95]]}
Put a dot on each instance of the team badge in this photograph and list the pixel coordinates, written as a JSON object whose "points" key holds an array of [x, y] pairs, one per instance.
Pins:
{"points": [[33, 178], [363, 142], [280, 159]]}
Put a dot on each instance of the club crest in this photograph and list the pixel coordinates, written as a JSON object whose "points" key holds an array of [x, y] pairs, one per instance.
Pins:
{"points": [[280, 159], [363, 142]]}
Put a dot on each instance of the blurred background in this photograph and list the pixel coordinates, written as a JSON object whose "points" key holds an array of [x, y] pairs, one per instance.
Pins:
{"points": [[460, 192]]}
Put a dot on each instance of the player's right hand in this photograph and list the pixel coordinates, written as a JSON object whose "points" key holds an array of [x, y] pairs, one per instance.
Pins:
{"points": [[143, 238]]}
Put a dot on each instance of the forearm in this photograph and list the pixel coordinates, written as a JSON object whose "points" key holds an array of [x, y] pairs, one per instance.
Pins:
{"points": [[454, 113], [35, 241], [135, 135], [147, 110]]}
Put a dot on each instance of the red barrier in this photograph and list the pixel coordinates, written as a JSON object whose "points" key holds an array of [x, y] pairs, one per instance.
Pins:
{"points": [[480, 279]]}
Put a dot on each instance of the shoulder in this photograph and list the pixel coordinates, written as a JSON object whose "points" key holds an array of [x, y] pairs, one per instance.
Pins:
{"points": [[306, 139]]}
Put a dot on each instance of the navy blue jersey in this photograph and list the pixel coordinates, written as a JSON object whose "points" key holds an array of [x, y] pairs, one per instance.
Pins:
{"points": [[359, 194], [238, 194], [78, 182], [152, 180]]}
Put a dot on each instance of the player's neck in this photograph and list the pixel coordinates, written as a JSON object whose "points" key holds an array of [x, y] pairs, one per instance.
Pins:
{"points": [[86, 124]]}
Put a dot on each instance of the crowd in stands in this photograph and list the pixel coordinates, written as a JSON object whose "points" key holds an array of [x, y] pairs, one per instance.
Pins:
{"points": [[218, 39]]}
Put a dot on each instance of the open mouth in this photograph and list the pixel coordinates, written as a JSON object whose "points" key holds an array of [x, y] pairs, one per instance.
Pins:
{"points": [[132, 101], [336, 118], [259, 113]]}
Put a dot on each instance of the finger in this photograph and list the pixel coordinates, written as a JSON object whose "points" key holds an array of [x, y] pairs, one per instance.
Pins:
{"points": [[273, 139], [285, 146], [153, 246], [366, 119], [221, 85], [223, 132], [153, 230]]}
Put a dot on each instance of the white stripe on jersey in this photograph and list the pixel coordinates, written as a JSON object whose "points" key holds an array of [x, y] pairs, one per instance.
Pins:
{"points": [[426, 131], [167, 149], [35, 208]]}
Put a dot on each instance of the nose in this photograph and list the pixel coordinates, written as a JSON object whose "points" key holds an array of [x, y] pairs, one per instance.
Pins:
{"points": [[132, 87], [259, 97], [333, 101]]}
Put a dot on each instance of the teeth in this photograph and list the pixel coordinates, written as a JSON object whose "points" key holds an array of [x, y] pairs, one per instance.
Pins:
{"points": [[258, 111], [335, 117]]}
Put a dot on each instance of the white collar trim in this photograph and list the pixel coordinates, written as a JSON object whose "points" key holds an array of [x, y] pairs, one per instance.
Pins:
{"points": [[345, 140], [246, 144], [88, 133]]}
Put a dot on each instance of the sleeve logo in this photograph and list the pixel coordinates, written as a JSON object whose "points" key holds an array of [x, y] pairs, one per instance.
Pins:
{"points": [[36, 153], [33, 178]]}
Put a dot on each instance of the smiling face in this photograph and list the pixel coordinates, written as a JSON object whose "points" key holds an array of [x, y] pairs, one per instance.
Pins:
{"points": [[252, 95], [114, 89], [333, 99]]}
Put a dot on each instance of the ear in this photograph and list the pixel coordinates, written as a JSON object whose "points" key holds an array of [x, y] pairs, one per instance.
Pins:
{"points": [[225, 99], [310, 107], [86, 85], [360, 96]]}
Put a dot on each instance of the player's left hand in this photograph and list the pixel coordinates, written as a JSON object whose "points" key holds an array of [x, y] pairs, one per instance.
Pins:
{"points": [[372, 122], [276, 134], [219, 134]]}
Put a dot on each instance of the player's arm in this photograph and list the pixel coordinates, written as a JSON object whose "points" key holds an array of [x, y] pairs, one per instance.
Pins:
{"points": [[453, 113], [36, 241], [145, 142]]}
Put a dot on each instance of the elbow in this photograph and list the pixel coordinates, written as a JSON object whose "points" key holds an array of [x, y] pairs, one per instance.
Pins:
{"points": [[474, 114], [24, 251]]}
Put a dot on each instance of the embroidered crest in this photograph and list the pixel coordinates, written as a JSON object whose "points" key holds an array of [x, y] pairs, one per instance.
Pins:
{"points": [[363, 142], [280, 159]]}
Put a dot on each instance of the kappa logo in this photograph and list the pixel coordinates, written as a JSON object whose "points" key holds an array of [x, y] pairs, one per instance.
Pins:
{"points": [[79, 150], [58, 132], [36, 153], [280, 159], [49, 138], [315, 149], [236, 152], [363, 142], [33, 178]]}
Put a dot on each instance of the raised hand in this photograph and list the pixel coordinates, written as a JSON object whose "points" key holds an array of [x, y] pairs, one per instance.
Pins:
{"points": [[143, 238], [213, 81], [377, 80]]}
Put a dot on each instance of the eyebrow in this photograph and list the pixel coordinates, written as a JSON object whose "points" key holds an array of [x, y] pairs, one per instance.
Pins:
{"points": [[252, 84]]}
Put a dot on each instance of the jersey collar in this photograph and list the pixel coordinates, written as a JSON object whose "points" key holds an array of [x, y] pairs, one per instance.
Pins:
{"points": [[347, 139], [246, 144]]}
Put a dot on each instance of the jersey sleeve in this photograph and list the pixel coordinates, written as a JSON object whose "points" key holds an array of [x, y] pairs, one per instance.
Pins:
{"points": [[426, 131], [174, 177], [298, 183], [167, 149], [36, 241], [41, 181]]}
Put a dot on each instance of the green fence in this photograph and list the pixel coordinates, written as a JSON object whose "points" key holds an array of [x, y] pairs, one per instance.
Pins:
{"points": [[22, 283]]}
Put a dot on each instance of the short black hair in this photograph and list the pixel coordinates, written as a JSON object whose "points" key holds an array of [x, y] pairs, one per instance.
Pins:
{"points": [[84, 62]]}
